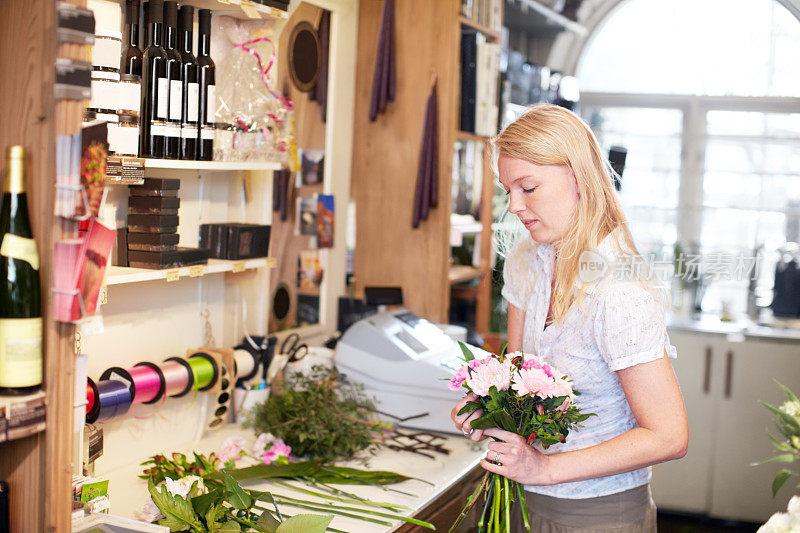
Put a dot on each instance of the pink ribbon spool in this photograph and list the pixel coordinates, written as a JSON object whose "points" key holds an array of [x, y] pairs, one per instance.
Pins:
{"points": [[149, 380]]}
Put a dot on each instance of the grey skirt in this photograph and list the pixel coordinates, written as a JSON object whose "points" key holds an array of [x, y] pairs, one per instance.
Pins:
{"points": [[631, 511]]}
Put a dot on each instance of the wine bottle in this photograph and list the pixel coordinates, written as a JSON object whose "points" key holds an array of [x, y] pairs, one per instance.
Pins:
{"points": [[208, 96], [175, 100], [145, 23], [5, 513], [191, 104], [155, 87], [20, 304], [131, 61]]}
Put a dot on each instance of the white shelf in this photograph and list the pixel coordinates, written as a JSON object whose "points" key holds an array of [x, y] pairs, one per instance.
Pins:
{"points": [[124, 275], [177, 164]]}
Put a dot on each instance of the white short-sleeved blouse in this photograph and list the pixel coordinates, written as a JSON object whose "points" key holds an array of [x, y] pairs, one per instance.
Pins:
{"points": [[620, 323]]}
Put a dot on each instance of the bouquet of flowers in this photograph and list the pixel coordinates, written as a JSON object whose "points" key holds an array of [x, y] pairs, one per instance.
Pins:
{"points": [[523, 394], [787, 419]]}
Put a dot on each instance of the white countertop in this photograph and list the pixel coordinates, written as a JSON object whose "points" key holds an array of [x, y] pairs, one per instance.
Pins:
{"points": [[742, 326], [129, 493]]}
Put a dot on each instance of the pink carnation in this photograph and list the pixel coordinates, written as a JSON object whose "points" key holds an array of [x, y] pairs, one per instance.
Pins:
{"points": [[459, 379], [488, 374], [276, 451], [534, 361], [231, 449], [476, 363], [535, 381]]}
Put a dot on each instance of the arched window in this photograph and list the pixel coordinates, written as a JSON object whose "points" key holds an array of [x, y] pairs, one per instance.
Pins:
{"points": [[704, 95]]}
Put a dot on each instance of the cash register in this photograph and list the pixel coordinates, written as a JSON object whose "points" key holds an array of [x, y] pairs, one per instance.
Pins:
{"points": [[405, 362]]}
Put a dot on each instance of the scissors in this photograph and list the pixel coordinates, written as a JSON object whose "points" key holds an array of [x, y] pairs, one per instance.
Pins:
{"points": [[296, 350]]}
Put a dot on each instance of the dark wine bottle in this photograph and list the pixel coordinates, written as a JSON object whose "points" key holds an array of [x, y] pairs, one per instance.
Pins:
{"points": [[145, 25], [20, 303], [191, 92], [155, 88], [208, 93], [5, 512], [131, 61], [173, 126]]}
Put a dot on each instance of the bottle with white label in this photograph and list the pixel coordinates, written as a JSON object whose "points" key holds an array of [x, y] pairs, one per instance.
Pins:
{"points": [[173, 148], [208, 96], [191, 91], [20, 301], [155, 88]]}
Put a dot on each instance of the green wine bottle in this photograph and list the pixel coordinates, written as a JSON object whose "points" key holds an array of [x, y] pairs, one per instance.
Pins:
{"points": [[20, 302]]}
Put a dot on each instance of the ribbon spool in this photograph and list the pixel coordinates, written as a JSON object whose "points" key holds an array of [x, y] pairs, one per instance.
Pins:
{"points": [[223, 399], [113, 399], [205, 370], [92, 403], [178, 377], [150, 382], [245, 365], [121, 375]]}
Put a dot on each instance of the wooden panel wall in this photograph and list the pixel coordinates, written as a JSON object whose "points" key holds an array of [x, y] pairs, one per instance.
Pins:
{"points": [[38, 468], [386, 154]]}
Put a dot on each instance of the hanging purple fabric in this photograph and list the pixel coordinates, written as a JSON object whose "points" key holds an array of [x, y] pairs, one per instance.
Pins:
{"points": [[384, 78], [426, 196]]}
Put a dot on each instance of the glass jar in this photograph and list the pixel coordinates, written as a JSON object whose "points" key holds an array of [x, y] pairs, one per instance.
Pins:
{"points": [[106, 51], [127, 136], [105, 92]]}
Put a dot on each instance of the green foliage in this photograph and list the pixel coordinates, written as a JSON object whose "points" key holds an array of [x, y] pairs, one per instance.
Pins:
{"points": [[787, 419], [319, 415]]}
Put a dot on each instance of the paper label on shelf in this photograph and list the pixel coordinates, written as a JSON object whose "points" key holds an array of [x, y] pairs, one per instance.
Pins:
{"points": [[196, 271], [239, 266], [16, 247], [103, 296], [250, 10], [189, 132], [173, 274], [192, 102], [211, 104], [163, 98], [175, 99], [20, 352]]}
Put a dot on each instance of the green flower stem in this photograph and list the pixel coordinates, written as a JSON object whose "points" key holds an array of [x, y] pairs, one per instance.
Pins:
{"points": [[489, 492], [291, 501], [496, 504], [507, 505], [523, 506], [324, 509], [361, 501]]}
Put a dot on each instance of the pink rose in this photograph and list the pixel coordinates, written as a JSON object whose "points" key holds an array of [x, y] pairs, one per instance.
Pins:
{"points": [[489, 374], [459, 379], [231, 449]]}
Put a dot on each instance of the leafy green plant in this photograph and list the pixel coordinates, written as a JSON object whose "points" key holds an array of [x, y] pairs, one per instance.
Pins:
{"points": [[787, 419], [319, 415]]}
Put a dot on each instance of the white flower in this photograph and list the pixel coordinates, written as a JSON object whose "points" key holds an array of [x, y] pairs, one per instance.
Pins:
{"points": [[794, 505], [150, 512], [777, 523], [791, 408], [261, 443], [232, 448], [182, 486], [493, 373]]}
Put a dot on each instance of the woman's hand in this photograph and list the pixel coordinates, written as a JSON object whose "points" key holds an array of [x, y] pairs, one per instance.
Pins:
{"points": [[462, 422], [517, 460]]}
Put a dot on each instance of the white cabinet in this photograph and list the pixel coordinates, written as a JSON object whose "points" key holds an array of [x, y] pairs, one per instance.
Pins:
{"points": [[722, 384]]}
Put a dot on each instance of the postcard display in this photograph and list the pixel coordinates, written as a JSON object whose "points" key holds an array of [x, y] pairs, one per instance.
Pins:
{"points": [[153, 316]]}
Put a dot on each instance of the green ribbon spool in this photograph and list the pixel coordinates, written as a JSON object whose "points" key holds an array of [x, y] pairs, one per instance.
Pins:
{"points": [[205, 370]]}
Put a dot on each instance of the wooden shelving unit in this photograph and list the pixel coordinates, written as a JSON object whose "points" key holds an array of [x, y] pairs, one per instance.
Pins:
{"points": [[124, 275], [389, 251], [218, 166]]}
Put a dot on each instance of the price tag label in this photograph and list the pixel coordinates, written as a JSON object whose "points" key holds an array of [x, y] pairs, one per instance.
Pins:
{"points": [[250, 10], [196, 271], [272, 262], [173, 274], [104, 295], [238, 266], [225, 2]]}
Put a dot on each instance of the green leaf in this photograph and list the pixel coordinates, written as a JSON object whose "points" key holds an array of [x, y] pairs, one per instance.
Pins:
{"points": [[268, 522], [231, 526], [470, 407], [789, 394], [468, 356], [782, 446], [237, 495], [262, 471], [783, 458], [503, 420], [173, 523], [780, 479], [305, 523], [202, 503], [484, 422], [784, 419]]}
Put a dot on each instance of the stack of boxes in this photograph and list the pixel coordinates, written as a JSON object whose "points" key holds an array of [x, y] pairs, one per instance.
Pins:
{"points": [[152, 233], [235, 241]]}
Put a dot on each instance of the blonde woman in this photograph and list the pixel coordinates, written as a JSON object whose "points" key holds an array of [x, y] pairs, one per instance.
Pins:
{"points": [[579, 296]]}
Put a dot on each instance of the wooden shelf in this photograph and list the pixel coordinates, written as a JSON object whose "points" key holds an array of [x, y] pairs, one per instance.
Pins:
{"points": [[542, 18], [467, 136], [124, 275], [462, 273], [221, 166], [492, 35], [21, 416]]}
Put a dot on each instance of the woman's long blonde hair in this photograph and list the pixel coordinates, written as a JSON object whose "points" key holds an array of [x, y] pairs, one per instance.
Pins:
{"points": [[551, 135]]}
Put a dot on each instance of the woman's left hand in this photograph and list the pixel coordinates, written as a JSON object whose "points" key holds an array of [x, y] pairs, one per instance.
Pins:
{"points": [[518, 460]]}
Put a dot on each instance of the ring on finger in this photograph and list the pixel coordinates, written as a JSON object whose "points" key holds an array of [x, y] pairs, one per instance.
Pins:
{"points": [[468, 433], [497, 457]]}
